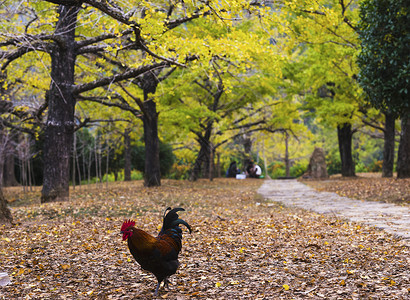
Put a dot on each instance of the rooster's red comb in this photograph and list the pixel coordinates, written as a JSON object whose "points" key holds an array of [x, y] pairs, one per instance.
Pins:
{"points": [[127, 224]]}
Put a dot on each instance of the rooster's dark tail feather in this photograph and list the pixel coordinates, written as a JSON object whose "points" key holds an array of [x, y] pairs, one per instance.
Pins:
{"points": [[172, 220]]}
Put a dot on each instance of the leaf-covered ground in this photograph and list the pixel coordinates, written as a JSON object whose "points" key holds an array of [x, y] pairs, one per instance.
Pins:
{"points": [[367, 186], [241, 248]]}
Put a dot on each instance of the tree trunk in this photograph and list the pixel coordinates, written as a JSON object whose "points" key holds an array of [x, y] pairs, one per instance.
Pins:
{"points": [[247, 143], [73, 158], [345, 134], [5, 214], [9, 175], [211, 162], [152, 173], [207, 162], [200, 159], [90, 157], [59, 127], [127, 155], [107, 165], [287, 161], [203, 157], [388, 151], [218, 165], [96, 160], [403, 156]]}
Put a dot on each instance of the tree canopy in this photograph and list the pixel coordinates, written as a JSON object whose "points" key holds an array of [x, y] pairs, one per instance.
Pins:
{"points": [[385, 58]]}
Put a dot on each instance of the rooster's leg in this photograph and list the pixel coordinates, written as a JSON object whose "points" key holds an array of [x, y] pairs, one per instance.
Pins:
{"points": [[156, 290], [166, 281]]}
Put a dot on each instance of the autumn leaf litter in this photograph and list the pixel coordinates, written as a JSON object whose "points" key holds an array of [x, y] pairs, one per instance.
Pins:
{"points": [[242, 247]]}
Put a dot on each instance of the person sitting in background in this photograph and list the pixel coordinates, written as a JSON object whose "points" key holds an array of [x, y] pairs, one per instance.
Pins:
{"points": [[253, 171], [258, 171], [232, 170]]}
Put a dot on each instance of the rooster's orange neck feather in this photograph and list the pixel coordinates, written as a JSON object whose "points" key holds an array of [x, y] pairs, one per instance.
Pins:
{"points": [[142, 240]]}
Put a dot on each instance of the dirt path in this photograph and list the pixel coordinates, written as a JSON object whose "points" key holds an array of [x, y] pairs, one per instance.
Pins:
{"points": [[393, 219]]}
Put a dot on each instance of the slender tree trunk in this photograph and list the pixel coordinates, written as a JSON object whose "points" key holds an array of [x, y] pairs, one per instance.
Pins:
{"points": [[74, 152], [78, 169], [345, 135], [29, 173], [59, 127], [152, 173], [403, 156], [9, 176], [265, 162], [96, 161], [107, 166], [287, 162], [388, 151], [83, 155], [218, 165], [90, 156], [127, 155], [99, 157]]}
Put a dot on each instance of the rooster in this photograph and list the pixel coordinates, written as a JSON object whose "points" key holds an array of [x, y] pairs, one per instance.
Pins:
{"points": [[158, 255]]}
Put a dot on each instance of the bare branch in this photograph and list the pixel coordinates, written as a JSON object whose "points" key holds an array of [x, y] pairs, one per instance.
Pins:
{"points": [[78, 89], [105, 101]]}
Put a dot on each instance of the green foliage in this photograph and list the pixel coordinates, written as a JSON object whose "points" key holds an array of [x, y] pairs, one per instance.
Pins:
{"points": [[333, 162], [385, 57], [278, 169], [166, 158], [298, 170], [135, 175], [273, 63], [180, 170]]}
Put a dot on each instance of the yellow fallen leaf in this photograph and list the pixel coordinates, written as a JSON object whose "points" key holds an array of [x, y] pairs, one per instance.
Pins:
{"points": [[286, 287], [6, 239], [218, 284]]}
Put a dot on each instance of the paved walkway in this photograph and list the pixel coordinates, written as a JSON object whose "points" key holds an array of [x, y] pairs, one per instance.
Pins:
{"points": [[389, 217]]}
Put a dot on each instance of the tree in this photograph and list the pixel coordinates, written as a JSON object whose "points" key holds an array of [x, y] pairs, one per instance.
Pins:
{"points": [[66, 49], [5, 214], [59, 127], [384, 66], [323, 42], [140, 96]]}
